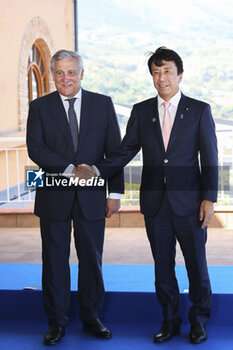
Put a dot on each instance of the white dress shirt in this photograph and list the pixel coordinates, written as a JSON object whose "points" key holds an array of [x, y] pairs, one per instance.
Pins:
{"points": [[174, 101], [77, 107], [77, 104]]}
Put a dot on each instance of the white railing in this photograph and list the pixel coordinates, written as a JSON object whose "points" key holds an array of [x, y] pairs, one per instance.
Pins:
{"points": [[14, 160], [12, 173]]}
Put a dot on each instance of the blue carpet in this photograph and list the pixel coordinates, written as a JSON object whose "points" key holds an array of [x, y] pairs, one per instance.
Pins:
{"points": [[130, 309], [118, 307], [29, 336], [119, 278]]}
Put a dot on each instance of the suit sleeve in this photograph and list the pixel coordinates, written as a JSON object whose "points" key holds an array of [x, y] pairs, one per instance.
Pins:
{"points": [[38, 151], [130, 146], [113, 140], [208, 156]]}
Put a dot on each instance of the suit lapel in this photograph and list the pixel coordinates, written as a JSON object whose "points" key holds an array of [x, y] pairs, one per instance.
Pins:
{"points": [[155, 122], [59, 116], [180, 119], [85, 117]]}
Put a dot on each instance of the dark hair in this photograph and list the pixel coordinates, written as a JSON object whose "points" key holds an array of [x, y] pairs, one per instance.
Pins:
{"points": [[165, 54]]}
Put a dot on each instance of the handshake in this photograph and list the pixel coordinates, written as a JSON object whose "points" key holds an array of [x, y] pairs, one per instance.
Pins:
{"points": [[84, 171]]}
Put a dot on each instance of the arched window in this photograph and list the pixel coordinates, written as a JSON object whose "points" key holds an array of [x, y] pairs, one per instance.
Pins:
{"points": [[38, 81]]}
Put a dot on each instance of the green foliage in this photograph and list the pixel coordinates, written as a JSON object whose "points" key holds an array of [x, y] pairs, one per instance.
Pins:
{"points": [[115, 37], [135, 187], [227, 112]]}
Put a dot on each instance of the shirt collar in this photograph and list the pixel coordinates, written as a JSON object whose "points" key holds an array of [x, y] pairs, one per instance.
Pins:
{"points": [[174, 100], [78, 95]]}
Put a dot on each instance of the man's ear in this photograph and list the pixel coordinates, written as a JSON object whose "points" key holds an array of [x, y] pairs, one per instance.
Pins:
{"points": [[180, 77]]}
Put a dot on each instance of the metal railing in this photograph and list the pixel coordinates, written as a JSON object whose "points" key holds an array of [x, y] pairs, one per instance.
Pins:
{"points": [[13, 191], [12, 173]]}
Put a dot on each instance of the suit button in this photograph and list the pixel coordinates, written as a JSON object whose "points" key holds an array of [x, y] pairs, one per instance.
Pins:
{"points": [[165, 160]]}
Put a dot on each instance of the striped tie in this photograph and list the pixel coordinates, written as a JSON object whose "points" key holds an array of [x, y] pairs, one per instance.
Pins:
{"points": [[73, 122]]}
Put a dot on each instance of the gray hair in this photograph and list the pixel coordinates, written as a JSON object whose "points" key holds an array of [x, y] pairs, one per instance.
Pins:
{"points": [[61, 54]]}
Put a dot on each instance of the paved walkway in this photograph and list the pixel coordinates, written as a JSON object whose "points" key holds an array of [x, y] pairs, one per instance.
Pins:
{"points": [[122, 246]]}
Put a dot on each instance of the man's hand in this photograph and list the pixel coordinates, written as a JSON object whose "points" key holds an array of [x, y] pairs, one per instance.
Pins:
{"points": [[206, 212], [113, 205], [84, 171]]}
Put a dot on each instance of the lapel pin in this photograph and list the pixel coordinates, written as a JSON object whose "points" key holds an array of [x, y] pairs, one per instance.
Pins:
{"points": [[153, 120], [182, 116], [186, 108]]}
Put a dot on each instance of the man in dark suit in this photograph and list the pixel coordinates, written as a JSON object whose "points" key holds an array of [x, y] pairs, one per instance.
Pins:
{"points": [[178, 188], [64, 128]]}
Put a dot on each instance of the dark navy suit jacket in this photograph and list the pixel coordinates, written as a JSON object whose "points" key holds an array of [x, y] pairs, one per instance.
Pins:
{"points": [[189, 165], [50, 146]]}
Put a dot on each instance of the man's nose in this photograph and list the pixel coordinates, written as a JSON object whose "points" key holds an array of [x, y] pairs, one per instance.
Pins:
{"points": [[161, 76], [65, 77]]}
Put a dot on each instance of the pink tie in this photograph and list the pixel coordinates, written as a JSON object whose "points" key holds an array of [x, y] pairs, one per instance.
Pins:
{"points": [[167, 124]]}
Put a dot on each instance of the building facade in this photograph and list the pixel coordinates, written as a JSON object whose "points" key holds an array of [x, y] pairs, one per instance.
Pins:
{"points": [[31, 31]]}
